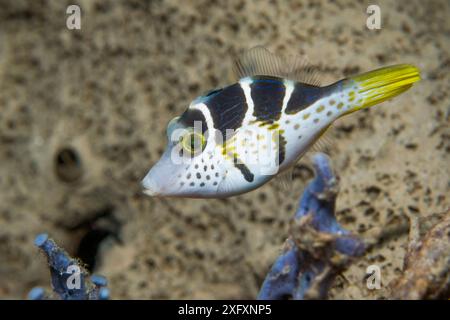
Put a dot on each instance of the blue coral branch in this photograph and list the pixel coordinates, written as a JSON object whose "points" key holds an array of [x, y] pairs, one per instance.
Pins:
{"points": [[69, 279], [318, 249]]}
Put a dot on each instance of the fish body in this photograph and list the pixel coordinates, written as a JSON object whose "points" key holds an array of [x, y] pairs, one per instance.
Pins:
{"points": [[237, 138]]}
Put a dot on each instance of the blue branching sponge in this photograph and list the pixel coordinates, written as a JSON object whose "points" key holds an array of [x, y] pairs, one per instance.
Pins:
{"points": [[70, 280], [318, 248]]}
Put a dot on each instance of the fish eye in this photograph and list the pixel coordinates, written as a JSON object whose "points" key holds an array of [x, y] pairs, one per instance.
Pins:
{"points": [[193, 143]]}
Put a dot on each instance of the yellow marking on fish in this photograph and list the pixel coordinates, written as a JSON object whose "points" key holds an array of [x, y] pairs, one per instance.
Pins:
{"points": [[273, 126], [229, 146]]}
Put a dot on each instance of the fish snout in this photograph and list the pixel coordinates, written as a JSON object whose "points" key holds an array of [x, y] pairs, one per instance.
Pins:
{"points": [[161, 180]]}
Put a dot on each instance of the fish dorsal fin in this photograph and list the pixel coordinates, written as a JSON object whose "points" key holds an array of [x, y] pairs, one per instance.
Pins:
{"points": [[260, 61], [302, 71]]}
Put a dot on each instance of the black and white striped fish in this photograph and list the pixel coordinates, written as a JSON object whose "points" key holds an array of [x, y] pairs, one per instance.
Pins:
{"points": [[235, 139]]}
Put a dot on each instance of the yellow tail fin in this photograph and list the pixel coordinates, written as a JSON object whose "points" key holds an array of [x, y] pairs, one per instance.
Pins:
{"points": [[376, 86]]}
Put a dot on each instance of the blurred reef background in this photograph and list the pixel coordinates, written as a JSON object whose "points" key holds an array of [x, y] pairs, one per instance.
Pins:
{"points": [[83, 115]]}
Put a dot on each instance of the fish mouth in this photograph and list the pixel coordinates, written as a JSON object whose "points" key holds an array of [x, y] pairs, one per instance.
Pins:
{"points": [[153, 190], [150, 192], [147, 188], [158, 191]]}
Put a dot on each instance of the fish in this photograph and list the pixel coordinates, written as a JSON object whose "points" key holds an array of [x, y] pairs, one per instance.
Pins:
{"points": [[234, 139]]}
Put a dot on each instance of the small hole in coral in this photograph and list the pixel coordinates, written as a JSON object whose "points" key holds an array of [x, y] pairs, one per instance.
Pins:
{"points": [[68, 166]]}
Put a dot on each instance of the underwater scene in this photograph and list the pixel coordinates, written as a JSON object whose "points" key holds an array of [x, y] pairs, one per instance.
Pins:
{"points": [[224, 150]]}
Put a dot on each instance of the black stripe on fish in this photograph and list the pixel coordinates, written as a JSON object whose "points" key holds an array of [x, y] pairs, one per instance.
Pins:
{"points": [[302, 97], [228, 108], [190, 116], [281, 147], [248, 175], [267, 95]]}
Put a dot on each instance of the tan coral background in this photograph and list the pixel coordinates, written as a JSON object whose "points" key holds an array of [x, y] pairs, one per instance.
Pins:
{"points": [[107, 91]]}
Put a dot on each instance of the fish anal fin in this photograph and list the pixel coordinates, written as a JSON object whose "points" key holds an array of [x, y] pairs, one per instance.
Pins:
{"points": [[324, 141], [283, 181]]}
